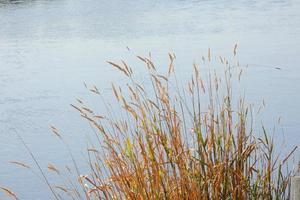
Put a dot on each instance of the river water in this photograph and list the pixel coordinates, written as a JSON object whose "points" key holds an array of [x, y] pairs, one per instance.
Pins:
{"points": [[48, 48]]}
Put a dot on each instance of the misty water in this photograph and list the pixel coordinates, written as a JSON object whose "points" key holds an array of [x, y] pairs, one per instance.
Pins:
{"points": [[49, 48]]}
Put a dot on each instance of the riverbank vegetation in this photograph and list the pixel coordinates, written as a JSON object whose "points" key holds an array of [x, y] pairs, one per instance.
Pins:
{"points": [[176, 140]]}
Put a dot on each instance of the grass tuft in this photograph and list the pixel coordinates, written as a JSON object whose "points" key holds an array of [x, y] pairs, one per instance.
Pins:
{"points": [[171, 140], [191, 143]]}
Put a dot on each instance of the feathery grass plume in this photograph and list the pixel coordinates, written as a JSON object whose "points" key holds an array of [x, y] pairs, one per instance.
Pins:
{"points": [[9, 193], [20, 164]]}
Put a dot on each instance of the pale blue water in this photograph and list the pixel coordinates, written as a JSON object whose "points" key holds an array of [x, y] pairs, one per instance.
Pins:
{"points": [[49, 48]]}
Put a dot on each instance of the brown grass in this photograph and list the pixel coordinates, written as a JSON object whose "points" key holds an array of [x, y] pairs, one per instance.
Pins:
{"points": [[171, 141]]}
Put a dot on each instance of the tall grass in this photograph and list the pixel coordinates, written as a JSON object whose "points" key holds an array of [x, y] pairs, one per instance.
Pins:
{"points": [[176, 141]]}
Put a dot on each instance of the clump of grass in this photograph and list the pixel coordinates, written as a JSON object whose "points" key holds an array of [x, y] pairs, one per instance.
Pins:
{"points": [[169, 141], [170, 146]]}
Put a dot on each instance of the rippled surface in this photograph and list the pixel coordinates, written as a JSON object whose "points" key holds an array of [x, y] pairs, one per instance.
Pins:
{"points": [[49, 48]]}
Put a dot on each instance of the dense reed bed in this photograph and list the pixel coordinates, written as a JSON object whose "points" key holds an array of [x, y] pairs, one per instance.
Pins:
{"points": [[172, 140]]}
